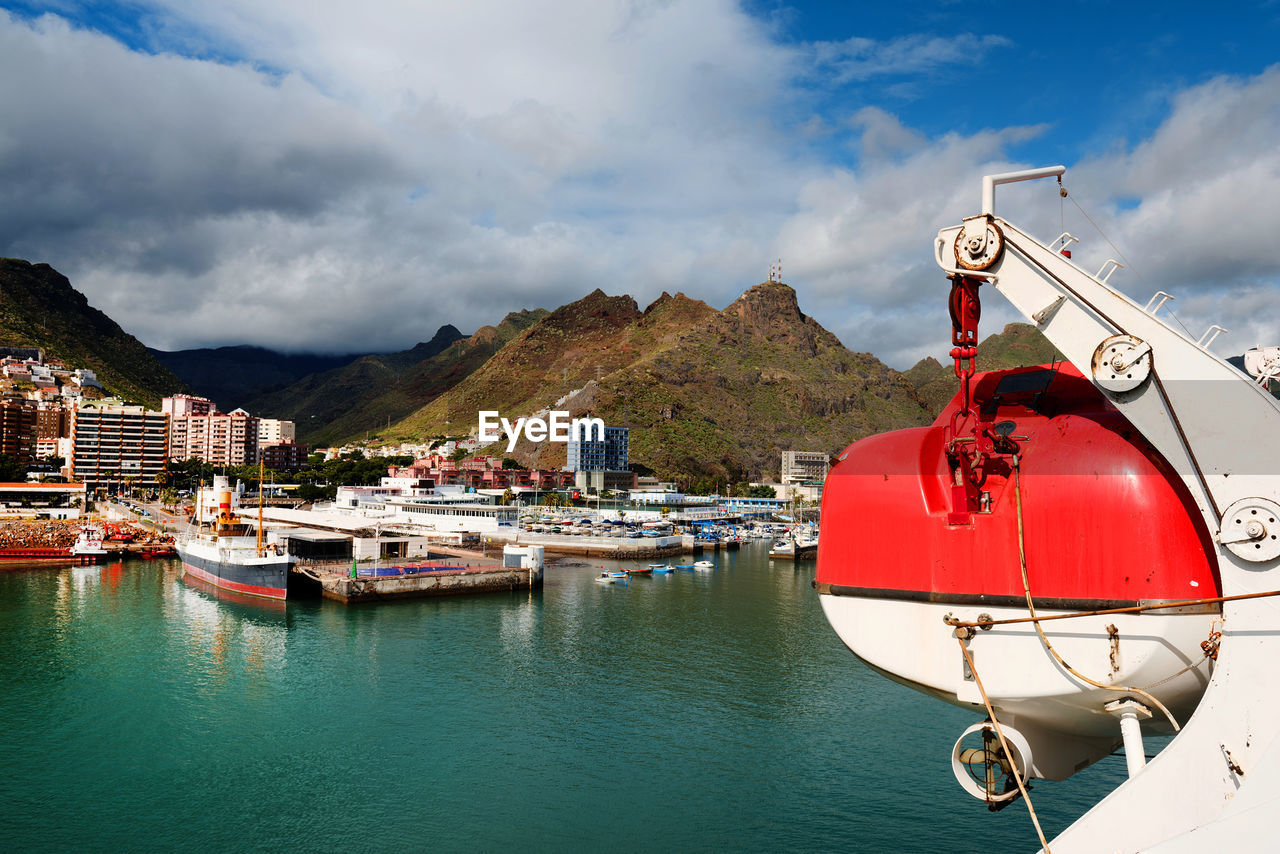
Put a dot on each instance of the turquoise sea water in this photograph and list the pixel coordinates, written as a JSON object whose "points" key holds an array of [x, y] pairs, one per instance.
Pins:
{"points": [[691, 712]]}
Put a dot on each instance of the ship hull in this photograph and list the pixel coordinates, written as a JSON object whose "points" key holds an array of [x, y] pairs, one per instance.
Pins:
{"points": [[265, 577]]}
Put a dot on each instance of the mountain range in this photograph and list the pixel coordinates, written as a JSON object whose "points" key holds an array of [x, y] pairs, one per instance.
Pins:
{"points": [[709, 394]]}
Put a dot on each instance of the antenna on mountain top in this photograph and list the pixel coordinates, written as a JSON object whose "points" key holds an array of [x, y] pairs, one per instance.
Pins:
{"points": [[775, 272]]}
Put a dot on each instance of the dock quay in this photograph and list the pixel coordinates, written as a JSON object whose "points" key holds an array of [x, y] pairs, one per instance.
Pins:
{"points": [[607, 547], [443, 573], [798, 552]]}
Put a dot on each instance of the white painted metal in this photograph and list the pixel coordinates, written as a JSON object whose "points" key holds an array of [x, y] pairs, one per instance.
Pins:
{"points": [[1110, 262], [1213, 425], [1209, 335], [989, 183], [1121, 363], [1162, 297], [1021, 756], [1251, 529], [1263, 363], [1064, 718], [1131, 714]]}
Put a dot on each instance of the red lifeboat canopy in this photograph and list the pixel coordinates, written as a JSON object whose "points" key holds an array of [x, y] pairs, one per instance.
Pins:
{"points": [[1106, 521]]}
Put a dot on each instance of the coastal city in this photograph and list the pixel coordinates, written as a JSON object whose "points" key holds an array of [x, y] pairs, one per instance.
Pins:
{"points": [[436, 507], [600, 425]]}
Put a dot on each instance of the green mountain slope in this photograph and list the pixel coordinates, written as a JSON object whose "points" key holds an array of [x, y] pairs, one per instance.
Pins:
{"points": [[233, 376], [371, 392], [39, 308], [1018, 345], [707, 394]]}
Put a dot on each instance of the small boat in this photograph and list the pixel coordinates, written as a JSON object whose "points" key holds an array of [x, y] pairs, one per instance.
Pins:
{"points": [[704, 564], [605, 578], [85, 550], [656, 565], [684, 566], [663, 570], [616, 574], [643, 570], [88, 546]]}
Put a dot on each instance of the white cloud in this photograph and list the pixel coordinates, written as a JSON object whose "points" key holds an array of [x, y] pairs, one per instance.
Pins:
{"points": [[857, 58], [360, 176]]}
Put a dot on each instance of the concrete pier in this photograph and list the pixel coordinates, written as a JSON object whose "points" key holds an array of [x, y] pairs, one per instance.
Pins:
{"points": [[449, 572], [616, 548], [445, 581]]}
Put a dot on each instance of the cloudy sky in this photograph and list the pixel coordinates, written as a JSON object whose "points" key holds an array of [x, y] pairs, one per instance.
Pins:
{"points": [[326, 176]]}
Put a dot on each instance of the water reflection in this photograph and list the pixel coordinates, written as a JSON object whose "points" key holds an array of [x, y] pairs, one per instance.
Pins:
{"points": [[227, 635]]}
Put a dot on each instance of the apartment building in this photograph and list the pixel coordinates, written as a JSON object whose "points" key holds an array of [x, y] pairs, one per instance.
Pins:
{"points": [[273, 431], [220, 439], [116, 444], [18, 429]]}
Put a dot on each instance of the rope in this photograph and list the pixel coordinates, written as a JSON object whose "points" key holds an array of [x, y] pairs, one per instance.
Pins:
{"points": [[1004, 745], [1133, 609], [1135, 270], [1031, 606]]}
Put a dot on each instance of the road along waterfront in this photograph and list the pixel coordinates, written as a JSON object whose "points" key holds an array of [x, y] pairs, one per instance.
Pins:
{"points": [[691, 711]]}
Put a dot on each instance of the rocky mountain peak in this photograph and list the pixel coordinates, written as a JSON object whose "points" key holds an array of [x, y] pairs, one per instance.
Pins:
{"points": [[767, 303]]}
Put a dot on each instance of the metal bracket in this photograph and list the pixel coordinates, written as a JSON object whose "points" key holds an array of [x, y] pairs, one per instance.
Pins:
{"points": [[1040, 316], [1162, 297]]}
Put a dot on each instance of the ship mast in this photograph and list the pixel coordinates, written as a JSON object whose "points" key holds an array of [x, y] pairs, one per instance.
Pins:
{"points": [[259, 508]]}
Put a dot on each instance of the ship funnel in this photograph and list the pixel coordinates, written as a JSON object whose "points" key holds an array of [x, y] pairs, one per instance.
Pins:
{"points": [[984, 769]]}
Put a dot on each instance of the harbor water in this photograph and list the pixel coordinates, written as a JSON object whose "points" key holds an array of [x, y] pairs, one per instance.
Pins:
{"points": [[710, 711]]}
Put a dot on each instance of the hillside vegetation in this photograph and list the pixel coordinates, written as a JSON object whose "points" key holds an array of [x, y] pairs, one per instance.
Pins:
{"points": [[716, 394], [1019, 345], [40, 308]]}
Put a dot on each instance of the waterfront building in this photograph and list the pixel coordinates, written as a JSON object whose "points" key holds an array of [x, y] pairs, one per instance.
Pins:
{"points": [[607, 454], [601, 481], [601, 464], [55, 500], [229, 439], [450, 518], [804, 467], [481, 473], [112, 444], [18, 429], [753, 508]]}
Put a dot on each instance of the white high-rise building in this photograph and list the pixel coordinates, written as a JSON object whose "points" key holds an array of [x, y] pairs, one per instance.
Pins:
{"points": [[804, 466], [272, 431]]}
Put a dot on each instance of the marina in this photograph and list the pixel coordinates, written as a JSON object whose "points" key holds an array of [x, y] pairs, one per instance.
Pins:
{"points": [[725, 690]]}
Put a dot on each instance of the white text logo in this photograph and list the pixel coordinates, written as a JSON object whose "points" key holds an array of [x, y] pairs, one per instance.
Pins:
{"points": [[557, 427]]}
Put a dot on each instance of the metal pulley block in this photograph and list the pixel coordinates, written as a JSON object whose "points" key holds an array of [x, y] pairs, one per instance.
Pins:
{"points": [[1121, 363], [979, 243], [1251, 529]]}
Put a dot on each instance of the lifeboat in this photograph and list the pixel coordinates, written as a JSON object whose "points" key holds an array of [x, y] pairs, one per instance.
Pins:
{"points": [[1079, 552], [1105, 525]]}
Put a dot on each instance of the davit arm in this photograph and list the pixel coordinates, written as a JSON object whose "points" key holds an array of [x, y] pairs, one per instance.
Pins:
{"points": [[1214, 426]]}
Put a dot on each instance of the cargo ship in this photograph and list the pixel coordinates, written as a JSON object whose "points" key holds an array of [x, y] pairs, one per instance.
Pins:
{"points": [[229, 559]]}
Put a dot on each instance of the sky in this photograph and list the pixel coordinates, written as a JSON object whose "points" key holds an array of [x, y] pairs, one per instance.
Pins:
{"points": [[319, 176]]}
